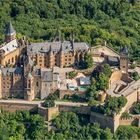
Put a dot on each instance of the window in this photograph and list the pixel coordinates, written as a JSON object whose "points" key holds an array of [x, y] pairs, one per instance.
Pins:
{"points": [[12, 59], [16, 58], [37, 83]]}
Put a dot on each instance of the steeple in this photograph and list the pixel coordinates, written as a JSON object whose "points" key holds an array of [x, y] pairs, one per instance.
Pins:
{"points": [[10, 33], [57, 36]]}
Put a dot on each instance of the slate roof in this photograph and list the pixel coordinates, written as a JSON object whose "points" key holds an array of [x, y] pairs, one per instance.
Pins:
{"points": [[49, 75], [9, 47], [10, 30], [124, 50], [17, 70], [65, 46]]}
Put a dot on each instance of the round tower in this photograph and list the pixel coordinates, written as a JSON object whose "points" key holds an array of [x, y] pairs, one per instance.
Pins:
{"points": [[29, 84], [10, 33]]}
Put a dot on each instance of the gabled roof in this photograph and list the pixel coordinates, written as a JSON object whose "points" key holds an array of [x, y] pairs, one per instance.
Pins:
{"points": [[64, 46], [9, 47], [17, 70], [10, 30]]}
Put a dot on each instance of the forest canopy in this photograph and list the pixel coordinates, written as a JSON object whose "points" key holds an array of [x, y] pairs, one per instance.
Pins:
{"points": [[92, 21]]}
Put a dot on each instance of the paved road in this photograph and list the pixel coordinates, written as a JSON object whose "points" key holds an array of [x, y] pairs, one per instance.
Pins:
{"points": [[70, 103], [20, 101], [38, 102]]}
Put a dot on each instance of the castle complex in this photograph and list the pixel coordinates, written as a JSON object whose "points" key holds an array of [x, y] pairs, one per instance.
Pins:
{"points": [[35, 70], [30, 70]]}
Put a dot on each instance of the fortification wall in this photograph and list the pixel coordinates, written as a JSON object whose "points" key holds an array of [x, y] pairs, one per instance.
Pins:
{"points": [[131, 121], [104, 121], [116, 76], [131, 98], [80, 110], [48, 113], [12, 107]]}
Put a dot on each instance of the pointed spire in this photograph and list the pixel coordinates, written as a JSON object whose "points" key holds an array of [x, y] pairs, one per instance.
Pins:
{"points": [[124, 50], [57, 36], [10, 30]]}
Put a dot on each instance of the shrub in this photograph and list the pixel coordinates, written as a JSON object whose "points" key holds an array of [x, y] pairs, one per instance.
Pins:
{"points": [[72, 74], [136, 108]]}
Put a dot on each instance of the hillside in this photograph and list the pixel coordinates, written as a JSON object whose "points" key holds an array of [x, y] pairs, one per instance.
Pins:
{"points": [[93, 21]]}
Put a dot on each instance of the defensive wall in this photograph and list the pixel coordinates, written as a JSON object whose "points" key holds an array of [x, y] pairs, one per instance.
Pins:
{"points": [[12, 107], [49, 113]]}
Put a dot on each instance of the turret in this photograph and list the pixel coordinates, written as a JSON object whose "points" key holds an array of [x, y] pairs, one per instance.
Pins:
{"points": [[124, 59], [29, 84], [51, 58], [61, 57], [0, 84], [10, 33]]}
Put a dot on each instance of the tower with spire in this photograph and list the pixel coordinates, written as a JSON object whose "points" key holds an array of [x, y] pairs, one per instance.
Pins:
{"points": [[10, 33]]}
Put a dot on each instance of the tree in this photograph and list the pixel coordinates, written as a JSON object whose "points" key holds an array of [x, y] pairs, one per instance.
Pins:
{"points": [[135, 76], [88, 60], [107, 70], [72, 74], [136, 108], [92, 91], [114, 104], [102, 82]]}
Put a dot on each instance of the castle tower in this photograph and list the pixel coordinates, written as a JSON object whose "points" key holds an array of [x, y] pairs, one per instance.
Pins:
{"points": [[124, 59], [51, 58], [29, 90], [10, 33], [61, 57], [0, 84]]}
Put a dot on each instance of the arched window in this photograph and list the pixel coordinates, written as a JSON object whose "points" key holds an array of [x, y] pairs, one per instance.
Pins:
{"points": [[16, 58], [12, 59]]}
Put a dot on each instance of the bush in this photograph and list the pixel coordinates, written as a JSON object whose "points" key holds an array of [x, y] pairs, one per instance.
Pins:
{"points": [[135, 76], [72, 74], [125, 115], [136, 108], [49, 103]]}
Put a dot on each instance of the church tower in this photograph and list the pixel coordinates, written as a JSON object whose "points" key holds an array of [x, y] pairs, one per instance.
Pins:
{"points": [[10, 33], [124, 59]]}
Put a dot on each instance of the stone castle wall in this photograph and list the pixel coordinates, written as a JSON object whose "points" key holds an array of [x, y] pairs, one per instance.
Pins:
{"points": [[48, 113], [13, 107], [104, 121], [131, 121], [77, 109], [116, 76]]}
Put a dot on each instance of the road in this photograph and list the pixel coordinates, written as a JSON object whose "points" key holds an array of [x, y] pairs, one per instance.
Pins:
{"points": [[70, 103], [38, 102], [20, 101]]}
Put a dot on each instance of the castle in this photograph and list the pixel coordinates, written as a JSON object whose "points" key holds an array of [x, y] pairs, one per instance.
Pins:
{"points": [[30, 70]]}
